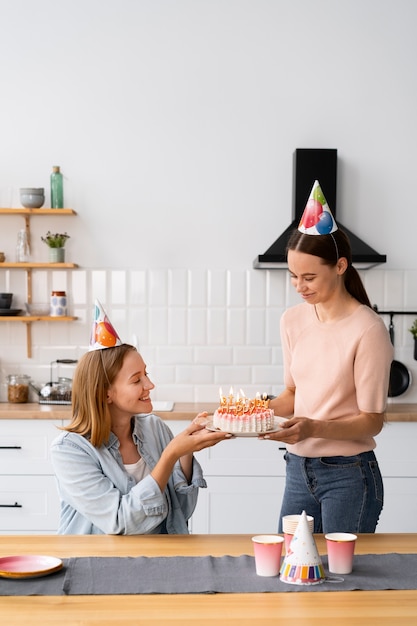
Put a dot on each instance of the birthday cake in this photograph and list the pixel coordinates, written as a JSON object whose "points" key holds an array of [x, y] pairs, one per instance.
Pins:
{"points": [[243, 415]]}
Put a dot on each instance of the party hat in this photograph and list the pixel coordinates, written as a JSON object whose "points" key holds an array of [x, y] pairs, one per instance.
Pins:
{"points": [[302, 564], [317, 218], [103, 334]]}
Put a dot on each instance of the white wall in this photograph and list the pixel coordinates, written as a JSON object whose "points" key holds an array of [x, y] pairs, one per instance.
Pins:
{"points": [[174, 122]]}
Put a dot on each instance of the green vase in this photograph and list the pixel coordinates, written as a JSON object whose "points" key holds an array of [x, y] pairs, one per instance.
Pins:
{"points": [[57, 255]]}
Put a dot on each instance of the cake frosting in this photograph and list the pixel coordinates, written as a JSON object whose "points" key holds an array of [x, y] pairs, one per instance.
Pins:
{"points": [[243, 415]]}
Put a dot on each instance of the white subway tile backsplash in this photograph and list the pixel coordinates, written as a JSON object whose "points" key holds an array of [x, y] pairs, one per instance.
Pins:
{"points": [[99, 287], [197, 326], [256, 286], [276, 281], [237, 288], [158, 288], [226, 375], [410, 290], [118, 287], [255, 334], [197, 329], [177, 326], [137, 281], [197, 288], [193, 374], [177, 288], [216, 286], [236, 327], [394, 290], [252, 355], [78, 290], [158, 326], [216, 326], [213, 355]]}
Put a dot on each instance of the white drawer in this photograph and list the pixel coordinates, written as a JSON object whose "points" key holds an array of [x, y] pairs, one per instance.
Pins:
{"points": [[396, 449], [243, 456], [28, 503], [25, 445]]}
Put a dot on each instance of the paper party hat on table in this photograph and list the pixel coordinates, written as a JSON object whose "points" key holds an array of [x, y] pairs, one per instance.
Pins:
{"points": [[103, 334], [302, 564], [317, 218]]}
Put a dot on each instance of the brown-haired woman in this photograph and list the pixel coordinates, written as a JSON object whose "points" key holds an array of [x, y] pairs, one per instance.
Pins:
{"points": [[337, 356]]}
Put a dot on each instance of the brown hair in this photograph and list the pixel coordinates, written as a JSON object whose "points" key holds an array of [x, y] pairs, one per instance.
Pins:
{"points": [[93, 376], [330, 248]]}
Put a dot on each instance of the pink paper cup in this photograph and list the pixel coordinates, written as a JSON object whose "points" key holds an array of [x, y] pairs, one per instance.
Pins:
{"points": [[340, 550], [268, 550]]}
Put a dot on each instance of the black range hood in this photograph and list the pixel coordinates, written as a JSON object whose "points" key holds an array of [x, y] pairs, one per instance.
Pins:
{"points": [[310, 165]]}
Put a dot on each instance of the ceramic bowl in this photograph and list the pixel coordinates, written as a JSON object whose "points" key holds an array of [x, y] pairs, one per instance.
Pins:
{"points": [[6, 300], [37, 308], [32, 197]]}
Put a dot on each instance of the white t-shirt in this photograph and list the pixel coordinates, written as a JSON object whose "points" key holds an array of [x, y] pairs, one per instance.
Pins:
{"points": [[138, 470]]}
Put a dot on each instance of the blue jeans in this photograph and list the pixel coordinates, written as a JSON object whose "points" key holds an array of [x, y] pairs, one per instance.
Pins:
{"points": [[342, 493]]}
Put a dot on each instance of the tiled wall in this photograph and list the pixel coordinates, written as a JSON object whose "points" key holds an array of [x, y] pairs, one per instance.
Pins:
{"points": [[198, 330]]}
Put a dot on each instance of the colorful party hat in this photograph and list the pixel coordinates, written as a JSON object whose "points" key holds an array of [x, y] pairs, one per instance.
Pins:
{"points": [[103, 334], [317, 218], [302, 564]]}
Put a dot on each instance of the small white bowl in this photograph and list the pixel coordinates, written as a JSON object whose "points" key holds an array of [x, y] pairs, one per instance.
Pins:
{"points": [[37, 308]]}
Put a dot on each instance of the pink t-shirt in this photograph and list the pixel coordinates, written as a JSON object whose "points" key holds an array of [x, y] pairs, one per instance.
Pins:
{"points": [[338, 369]]}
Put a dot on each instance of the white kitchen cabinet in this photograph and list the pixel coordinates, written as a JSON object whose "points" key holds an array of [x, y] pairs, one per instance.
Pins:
{"points": [[396, 454], [246, 478], [245, 483], [28, 495]]}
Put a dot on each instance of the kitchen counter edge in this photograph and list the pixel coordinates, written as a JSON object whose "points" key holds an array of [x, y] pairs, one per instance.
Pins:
{"points": [[396, 412]]}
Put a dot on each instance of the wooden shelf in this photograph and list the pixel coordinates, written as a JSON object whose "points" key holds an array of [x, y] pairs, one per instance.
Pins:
{"points": [[39, 266], [28, 267], [27, 319], [22, 211]]}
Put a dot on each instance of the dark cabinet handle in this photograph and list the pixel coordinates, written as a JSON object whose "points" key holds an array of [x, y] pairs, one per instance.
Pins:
{"points": [[11, 506], [10, 447]]}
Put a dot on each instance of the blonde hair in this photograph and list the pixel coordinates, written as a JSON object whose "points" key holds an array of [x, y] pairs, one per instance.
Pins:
{"points": [[93, 376]]}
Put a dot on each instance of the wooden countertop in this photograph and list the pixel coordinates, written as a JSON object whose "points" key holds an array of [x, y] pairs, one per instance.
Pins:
{"points": [[348, 608], [396, 412]]}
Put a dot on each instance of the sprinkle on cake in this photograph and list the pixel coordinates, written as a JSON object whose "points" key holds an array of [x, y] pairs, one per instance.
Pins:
{"points": [[243, 415]]}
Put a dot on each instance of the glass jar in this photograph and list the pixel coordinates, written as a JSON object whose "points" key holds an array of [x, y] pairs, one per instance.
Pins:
{"points": [[18, 388]]}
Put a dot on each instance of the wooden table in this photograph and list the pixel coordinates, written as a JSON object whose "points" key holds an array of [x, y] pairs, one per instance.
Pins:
{"points": [[353, 608]]}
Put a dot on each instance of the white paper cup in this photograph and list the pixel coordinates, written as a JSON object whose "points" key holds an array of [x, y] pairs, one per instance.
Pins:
{"points": [[340, 550], [289, 525], [268, 550]]}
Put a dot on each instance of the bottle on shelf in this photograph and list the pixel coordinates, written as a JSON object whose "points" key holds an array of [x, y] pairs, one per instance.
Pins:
{"points": [[57, 188], [22, 247]]}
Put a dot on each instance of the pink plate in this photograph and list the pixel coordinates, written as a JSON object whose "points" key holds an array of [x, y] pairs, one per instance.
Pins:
{"points": [[28, 566]]}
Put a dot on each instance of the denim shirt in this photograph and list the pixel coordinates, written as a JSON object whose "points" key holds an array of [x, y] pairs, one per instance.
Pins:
{"points": [[98, 496]]}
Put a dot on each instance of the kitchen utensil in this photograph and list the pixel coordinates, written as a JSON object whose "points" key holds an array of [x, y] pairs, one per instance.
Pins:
{"points": [[400, 377], [37, 308], [6, 300], [56, 392], [32, 197]]}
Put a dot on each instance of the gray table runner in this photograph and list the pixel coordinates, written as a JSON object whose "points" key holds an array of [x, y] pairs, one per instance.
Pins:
{"points": [[204, 574]]}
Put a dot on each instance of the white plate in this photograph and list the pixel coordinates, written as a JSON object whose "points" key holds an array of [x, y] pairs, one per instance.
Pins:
{"points": [[277, 421], [28, 566]]}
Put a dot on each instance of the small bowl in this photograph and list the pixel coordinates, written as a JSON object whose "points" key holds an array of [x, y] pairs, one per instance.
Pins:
{"points": [[32, 197], [38, 308], [6, 300]]}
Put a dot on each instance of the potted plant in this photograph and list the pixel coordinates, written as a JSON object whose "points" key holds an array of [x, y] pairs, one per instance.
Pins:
{"points": [[413, 331], [56, 243]]}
